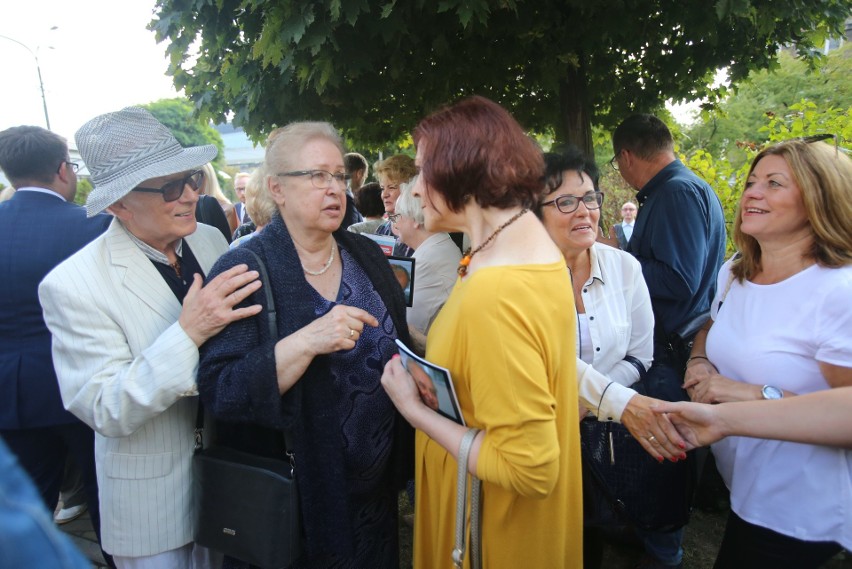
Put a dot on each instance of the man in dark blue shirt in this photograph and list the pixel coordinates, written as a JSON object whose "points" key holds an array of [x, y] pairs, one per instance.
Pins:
{"points": [[679, 239], [679, 236]]}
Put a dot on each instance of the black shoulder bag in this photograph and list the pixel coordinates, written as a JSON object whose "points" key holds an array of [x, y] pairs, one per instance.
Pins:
{"points": [[247, 506], [622, 484]]}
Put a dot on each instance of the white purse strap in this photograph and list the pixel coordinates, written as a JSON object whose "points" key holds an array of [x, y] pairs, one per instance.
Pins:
{"points": [[461, 503]]}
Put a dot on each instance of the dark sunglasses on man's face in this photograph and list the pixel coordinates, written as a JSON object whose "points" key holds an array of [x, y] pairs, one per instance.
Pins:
{"points": [[173, 190]]}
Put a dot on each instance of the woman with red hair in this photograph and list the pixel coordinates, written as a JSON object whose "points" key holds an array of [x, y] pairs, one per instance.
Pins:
{"points": [[506, 333]]}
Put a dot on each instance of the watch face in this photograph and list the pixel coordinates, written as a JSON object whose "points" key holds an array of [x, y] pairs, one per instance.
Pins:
{"points": [[771, 392]]}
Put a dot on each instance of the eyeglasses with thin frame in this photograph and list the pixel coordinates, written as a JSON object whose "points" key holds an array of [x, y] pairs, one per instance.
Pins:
{"points": [[73, 165], [321, 179], [613, 163], [819, 138], [826, 136], [172, 191], [394, 217], [566, 203]]}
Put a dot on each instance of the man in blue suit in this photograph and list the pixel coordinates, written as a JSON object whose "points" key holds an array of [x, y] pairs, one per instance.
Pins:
{"points": [[42, 227]]}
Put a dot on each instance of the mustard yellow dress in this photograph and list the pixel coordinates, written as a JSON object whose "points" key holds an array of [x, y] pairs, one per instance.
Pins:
{"points": [[507, 336]]}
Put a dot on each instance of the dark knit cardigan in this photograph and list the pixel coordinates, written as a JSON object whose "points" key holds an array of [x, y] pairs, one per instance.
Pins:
{"points": [[238, 384]]}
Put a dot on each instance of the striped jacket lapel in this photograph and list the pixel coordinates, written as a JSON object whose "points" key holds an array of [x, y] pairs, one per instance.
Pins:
{"points": [[138, 274]]}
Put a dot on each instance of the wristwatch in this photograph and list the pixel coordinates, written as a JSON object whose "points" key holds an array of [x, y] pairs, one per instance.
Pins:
{"points": [[771, 392]]}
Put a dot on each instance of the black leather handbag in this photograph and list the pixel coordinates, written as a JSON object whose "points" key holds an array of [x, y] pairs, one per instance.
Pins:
{"points": [[623, 485], [247, 505]]}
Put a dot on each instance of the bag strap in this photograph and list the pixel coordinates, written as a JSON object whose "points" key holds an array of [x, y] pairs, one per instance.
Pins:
{"points": [[461, 503], [271, 316], [272, 323], [730, 282]]}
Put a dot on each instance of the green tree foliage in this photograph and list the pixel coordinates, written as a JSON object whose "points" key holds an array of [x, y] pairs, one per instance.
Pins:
{"points": [[375, 67], [84, 186], [801, 119], [178, 116], [742, 116]]}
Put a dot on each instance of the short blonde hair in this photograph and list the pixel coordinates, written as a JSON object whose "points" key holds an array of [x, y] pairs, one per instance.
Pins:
{"points": [[398, 168], [259, 204], [408, 204], [822, 174]]}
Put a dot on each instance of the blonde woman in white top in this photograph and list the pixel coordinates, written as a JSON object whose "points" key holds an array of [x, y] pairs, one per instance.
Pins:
{"points": [[785, 329]]}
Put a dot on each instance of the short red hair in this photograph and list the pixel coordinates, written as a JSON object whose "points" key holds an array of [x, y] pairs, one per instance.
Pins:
{"points": [[475, 148]]}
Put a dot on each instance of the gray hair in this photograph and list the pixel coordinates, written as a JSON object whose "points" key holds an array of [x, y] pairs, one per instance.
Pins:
{"points": [[284, 143], [408, 204]]}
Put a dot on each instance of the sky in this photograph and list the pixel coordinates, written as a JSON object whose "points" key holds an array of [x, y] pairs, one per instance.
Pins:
{"points": [[100, 58]]}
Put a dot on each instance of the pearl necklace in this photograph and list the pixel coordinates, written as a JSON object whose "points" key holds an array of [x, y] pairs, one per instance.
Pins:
{"points": [[468, 255], [323, 270]]}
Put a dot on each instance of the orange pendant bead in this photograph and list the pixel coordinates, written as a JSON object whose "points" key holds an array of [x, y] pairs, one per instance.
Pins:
{"points": [[463, 263], [468, 255]]}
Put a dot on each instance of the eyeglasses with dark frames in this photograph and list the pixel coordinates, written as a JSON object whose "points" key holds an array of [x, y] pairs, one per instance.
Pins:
{"points": [[73, 165], [566, 203], [172, 191], [394, 217], [321, 179], [613, 162]]}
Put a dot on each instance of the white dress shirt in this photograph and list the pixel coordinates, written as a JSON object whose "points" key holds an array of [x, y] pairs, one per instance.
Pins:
{"points": [[42, 191], [627, 228], [621, 322]]}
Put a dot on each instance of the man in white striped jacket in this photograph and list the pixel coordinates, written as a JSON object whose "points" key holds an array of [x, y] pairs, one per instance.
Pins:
{"points": [[128, 314]]}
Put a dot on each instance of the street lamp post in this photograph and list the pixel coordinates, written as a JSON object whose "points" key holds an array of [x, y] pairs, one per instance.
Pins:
{"points": [[38, 69]]}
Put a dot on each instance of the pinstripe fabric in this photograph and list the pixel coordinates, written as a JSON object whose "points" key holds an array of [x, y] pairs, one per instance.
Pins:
{"points": [[126, 368]]}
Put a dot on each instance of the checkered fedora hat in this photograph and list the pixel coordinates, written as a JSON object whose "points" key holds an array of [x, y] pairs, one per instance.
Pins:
{"points": [[127, 147]]}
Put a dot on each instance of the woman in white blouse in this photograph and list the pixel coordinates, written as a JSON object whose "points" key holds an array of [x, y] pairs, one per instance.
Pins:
{"points": [[437, 259], [615, 323]]}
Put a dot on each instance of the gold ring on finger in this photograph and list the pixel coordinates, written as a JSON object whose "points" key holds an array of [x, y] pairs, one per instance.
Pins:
{"points": [[652, 438], [351, 333]]}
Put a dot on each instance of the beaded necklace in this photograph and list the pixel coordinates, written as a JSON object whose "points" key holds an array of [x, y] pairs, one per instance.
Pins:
{"points": [[325, 268], [468, 255]]}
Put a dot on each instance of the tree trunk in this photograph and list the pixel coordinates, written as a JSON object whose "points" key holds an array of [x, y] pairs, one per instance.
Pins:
{"points": [[575, 124]]}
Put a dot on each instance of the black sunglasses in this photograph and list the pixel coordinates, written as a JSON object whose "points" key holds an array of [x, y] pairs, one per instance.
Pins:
{"points": [[819, 138], [173, 190]]}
